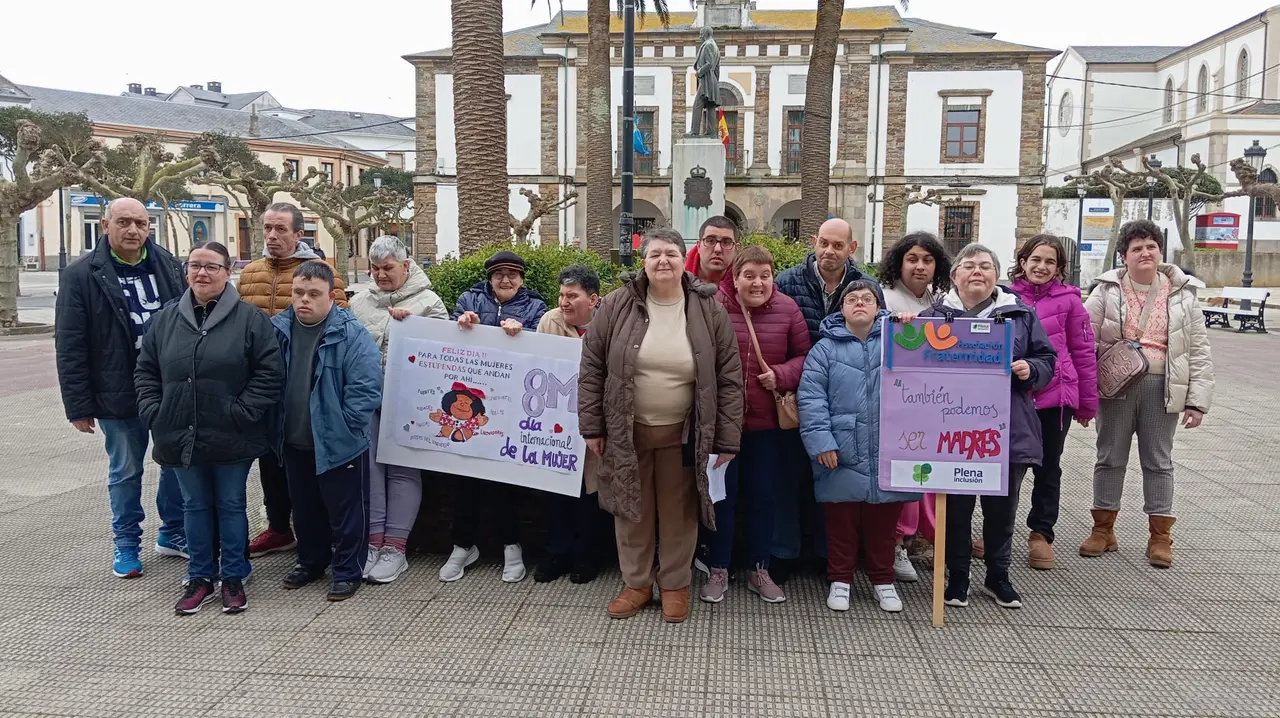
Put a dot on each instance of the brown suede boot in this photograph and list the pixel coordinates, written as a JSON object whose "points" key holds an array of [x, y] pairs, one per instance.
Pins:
{"points": [[675, 605], [1160, 545], [630, 602], [1103, 537], [1041, 552]]}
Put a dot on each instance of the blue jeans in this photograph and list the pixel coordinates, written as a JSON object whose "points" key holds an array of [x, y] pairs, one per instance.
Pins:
{"points": [[126, 449], [751, 477], [794, 507], [215, 507]]}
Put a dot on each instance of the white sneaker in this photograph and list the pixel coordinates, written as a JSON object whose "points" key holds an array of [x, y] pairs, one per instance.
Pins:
{"points": [[391, 563], [459, 559], [902, 568], [370, 558], [838, 598], [512, 563], [888, 597]]}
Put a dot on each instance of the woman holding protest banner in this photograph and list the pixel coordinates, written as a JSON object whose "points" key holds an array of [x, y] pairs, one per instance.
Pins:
{"points": [[1039, 277], [500, 301], [914, 274], [660, 400], [839, 400], [974, 294], [773, 340], [401, 289]]}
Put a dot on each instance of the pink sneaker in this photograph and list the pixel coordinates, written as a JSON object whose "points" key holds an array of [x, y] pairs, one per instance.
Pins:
{"points": [[762, 585], [716, 586]]}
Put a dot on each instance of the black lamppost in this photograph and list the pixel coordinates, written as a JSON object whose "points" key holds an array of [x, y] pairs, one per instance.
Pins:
{"points": [[1154, 164], [626, 218], [1256, 156], [62, 234], [1081, 191]]}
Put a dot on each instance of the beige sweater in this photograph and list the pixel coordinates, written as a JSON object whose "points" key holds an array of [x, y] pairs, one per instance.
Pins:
{"points": [[664, 367]]}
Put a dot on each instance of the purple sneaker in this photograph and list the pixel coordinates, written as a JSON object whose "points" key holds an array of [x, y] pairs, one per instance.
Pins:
{"points": [[233, 598], [194, 595]]}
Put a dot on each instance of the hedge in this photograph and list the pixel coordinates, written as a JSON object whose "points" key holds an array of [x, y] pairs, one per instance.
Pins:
{"points": [[452, 276]]}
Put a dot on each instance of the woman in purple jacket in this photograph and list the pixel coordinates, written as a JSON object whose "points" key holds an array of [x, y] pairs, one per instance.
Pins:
{"points": [[1039, 278]]}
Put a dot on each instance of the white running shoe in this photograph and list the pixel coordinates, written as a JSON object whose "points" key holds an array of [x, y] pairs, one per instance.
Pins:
{"points": [[370, 559], [512, 563], [391, 563], [838, 598], [902, 568], [459, 559], [888, 597]]}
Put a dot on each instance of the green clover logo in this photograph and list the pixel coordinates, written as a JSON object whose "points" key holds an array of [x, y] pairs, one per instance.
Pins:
{"points": [[920, 473], [910, 337]]}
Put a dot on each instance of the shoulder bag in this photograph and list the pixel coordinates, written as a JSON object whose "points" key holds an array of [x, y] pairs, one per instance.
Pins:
{"points": [[788, 408], [1123, 364]]}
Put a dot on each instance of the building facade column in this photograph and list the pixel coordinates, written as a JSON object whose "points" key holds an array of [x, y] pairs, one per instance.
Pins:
{"points": [[760, 138], [549, 224], [895, 209], [679, 101], [1030, 158], [424, 195]]}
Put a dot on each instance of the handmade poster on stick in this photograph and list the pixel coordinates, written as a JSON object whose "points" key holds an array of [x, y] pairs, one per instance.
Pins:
{"points": [[480, 403], [944, 414]]}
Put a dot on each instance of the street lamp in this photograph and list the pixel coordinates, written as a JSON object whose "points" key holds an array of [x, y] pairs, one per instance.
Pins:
{"points": [[377, 180], [1256, 156], [62, 234], [1081, 191], [1154, 164]]}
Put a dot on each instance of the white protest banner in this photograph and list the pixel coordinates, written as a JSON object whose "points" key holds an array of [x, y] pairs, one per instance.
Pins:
{"points": [[477, 402]]}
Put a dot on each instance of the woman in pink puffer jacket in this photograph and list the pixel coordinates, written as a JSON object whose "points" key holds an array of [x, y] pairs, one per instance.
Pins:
{"points": [[1038, 278]]}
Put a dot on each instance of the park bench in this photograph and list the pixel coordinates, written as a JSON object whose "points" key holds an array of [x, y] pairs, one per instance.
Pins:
{"points": [[1250, 309]]}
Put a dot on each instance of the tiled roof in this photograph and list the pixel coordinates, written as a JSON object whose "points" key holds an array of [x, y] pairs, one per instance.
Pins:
{"points": [[1261, 107], [1124, 54], [935, 37], [237, 101], [10, 92], [147, 114], [925, 36], [1158, 137], [356, 122]]}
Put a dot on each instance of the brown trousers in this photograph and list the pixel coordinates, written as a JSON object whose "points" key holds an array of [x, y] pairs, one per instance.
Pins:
{"points": [[668, 513]]}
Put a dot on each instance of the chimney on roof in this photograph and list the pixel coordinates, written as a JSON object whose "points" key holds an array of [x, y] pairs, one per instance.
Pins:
{"points": [[253, 122], [197, 87], [135, 88], [149, 92], [215, 86]]}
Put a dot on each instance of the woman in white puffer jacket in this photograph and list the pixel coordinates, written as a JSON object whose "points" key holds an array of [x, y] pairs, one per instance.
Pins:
{"points": [[1154, 304], [401, 289]]}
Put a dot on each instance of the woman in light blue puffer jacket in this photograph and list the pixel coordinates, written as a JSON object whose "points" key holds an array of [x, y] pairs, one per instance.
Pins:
{"points": [[839, 399]]}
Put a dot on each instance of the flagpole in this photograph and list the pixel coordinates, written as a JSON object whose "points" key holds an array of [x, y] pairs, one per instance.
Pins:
{"points": [[626, 219]]}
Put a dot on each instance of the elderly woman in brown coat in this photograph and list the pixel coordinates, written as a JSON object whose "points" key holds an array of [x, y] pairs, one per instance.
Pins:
{"points": [[660, 394]]}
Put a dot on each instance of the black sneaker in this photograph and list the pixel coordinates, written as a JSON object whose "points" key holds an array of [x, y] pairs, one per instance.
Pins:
{"points": [[957, 593], [300, 577], [584, 571], [233, 598], [342, 590], [998, 586], [551, 568]]}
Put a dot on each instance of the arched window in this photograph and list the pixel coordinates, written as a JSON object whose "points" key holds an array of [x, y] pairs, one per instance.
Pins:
{"points": [[1066, 110], [1202, 90], [1168, 100], [1242, 76], [1265, 207]]}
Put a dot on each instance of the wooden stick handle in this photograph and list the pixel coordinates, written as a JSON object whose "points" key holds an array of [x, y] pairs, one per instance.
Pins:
{"points": [[939, 558]]}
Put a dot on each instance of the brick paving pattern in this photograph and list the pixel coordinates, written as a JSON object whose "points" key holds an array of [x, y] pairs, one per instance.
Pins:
{"points": [[1108, 636]]}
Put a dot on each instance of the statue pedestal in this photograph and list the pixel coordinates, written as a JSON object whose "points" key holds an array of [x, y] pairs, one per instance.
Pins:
{"points": [[691, 158]]}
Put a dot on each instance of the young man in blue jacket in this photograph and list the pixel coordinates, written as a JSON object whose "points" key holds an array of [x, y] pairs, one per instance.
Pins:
{"points": [[333, 385]]}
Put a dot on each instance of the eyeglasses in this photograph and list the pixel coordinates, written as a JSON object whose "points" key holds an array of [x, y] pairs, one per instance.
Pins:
{"points": [[711, 242], [861, 301], [211, 269], [970, 266]]}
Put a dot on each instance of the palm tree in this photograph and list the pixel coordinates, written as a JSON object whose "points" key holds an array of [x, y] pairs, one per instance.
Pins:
{"points": [[815, 161], [480, 123]]}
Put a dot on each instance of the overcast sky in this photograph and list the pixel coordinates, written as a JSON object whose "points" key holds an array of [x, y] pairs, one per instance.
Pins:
{"points": [[327, 54]]}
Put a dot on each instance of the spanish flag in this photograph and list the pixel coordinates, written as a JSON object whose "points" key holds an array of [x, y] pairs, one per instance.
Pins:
{"points": [[724, 130]]}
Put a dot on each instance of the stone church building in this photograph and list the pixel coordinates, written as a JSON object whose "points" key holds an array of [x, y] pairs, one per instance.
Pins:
{"points": [[914, 103]]}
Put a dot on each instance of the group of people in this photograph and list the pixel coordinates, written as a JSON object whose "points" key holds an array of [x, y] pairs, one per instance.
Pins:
{"points": [[703, 361]]}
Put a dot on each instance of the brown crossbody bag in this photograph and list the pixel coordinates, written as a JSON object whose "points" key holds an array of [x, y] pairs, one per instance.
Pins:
{"points": [[1123, 364], [788, 408]]}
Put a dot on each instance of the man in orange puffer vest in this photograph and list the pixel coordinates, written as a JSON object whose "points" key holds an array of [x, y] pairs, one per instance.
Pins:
{"points": [[267, 283]]}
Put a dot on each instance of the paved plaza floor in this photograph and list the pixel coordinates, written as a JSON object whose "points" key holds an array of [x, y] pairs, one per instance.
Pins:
{"points": [[1107, 636]]}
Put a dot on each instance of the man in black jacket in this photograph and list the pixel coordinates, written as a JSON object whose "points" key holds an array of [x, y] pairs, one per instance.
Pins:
{"points": [[816, 284], [105, 303]]}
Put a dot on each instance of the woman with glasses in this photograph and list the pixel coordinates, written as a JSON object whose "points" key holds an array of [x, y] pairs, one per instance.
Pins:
{"points": [[400, 290], [209, 374], [974, 295]]}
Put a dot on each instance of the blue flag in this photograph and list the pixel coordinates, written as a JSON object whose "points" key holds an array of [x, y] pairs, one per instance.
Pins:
{"points": [[637, 139]]}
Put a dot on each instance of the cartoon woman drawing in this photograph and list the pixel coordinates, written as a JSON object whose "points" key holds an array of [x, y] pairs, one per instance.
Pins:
{"points": [[461, 413]]}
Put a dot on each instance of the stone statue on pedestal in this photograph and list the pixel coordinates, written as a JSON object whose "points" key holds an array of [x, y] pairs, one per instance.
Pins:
{"points": [[707, 67]]}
